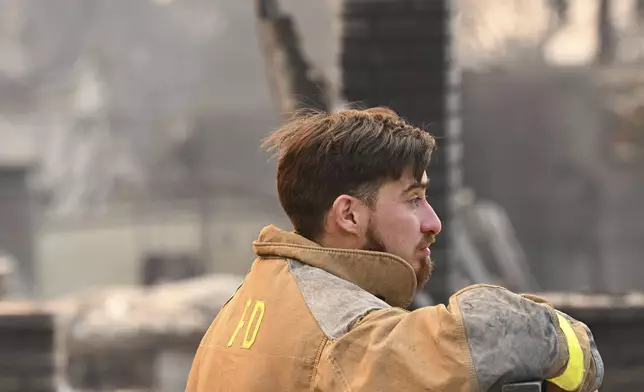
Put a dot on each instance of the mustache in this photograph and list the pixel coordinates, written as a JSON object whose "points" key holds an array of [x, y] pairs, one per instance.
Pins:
{"points": [[428, 241]]}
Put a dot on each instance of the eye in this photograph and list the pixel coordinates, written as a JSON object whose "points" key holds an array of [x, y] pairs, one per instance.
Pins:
{"points": [[415, 202]]}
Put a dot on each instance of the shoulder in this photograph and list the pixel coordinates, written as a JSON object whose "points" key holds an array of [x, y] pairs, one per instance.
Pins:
{"points": [[335, 303]]}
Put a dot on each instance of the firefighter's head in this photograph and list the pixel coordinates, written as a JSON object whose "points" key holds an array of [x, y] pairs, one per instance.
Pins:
{"points": [[356, 179]]}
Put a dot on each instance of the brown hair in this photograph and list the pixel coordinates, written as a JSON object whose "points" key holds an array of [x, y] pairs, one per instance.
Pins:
{"points": [[324, 155]]}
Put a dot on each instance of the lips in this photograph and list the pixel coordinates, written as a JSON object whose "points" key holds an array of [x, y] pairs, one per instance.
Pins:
{"points": [[425, 245]]}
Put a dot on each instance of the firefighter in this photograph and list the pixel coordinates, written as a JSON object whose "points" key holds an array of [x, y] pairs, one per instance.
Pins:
{"points": [[323, 307]]}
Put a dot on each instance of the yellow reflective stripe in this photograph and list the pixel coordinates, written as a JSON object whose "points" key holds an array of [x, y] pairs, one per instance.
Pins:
{"points": [[572, 377]]}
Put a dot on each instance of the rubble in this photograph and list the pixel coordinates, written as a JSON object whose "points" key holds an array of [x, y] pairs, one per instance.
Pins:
{"points": [[126, 318]]}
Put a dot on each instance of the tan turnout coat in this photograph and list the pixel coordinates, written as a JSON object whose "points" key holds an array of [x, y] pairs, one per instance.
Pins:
{"points": [[309, 318]]}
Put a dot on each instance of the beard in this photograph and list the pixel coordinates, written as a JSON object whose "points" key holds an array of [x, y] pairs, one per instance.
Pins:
{"points": [[374, 243], [422, 276]]}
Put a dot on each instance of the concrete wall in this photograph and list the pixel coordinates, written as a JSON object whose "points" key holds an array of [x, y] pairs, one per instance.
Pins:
{"points": [[109, 250]]}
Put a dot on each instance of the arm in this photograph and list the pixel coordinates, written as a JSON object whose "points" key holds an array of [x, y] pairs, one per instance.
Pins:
{"points": [[485, 338]]}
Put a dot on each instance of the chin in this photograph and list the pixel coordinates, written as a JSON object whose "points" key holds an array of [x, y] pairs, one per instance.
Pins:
{"points": [[423, 273]]}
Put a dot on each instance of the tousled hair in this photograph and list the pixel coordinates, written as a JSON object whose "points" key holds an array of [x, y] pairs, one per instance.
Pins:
{"points": [[324, 155]]}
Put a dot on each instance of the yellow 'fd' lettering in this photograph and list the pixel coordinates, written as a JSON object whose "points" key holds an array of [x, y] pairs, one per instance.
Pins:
{"points": [[252, 327]]}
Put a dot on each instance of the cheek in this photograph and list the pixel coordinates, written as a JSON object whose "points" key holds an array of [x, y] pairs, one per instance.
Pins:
{"points": [[399, 229]]}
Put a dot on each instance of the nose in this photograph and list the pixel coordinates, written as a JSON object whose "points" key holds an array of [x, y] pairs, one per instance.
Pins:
{"points": [[431, 223]]}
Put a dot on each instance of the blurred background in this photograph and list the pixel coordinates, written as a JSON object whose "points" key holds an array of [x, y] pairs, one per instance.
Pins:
{"points": [[132, 182]]}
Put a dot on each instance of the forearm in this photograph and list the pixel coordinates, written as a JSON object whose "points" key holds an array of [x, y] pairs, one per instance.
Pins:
{"points": [[519, 337]]}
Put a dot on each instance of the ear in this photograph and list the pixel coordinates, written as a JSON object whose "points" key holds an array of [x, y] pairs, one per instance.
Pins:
{"points": [[349, 214]]}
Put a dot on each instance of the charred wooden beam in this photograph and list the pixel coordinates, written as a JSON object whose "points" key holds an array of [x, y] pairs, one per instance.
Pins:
{"points": [[294, 83]]}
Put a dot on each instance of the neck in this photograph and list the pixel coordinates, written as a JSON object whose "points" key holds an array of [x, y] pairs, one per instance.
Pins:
{"points": [[339, 241]]}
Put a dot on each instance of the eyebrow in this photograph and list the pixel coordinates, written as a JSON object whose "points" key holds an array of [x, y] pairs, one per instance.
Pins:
{"points": [[415, 186]]}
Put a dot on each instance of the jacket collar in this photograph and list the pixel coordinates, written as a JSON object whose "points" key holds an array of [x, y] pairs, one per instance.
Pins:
{"points": [[383, 275]]}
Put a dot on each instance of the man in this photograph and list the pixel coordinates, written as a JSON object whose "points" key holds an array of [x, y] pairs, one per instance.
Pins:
{"points": [[323, 308]]}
